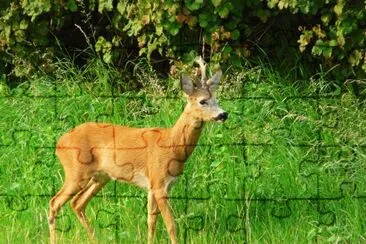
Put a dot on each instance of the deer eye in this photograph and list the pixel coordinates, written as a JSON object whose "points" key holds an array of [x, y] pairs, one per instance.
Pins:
{"points": [[203, 102]]}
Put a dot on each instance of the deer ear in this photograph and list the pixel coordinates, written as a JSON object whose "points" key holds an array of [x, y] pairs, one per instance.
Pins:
{"points": [[187, 84], [214, 81]]}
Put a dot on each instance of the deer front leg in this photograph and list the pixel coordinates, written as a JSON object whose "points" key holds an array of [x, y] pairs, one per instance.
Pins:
{"points": [[161, 197], [152, 214]]}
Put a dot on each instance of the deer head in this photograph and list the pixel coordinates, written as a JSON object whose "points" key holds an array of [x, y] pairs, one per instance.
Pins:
{"points": [[202, 103]]}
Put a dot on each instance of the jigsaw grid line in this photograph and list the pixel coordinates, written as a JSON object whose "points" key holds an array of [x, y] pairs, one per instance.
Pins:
{"points": [[281, 206]]}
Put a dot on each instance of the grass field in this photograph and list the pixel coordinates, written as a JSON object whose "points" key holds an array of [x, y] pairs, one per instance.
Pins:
{"points": [[288, 166]]}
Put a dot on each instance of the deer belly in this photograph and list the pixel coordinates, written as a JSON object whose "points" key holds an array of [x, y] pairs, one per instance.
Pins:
{"points": [[123, 172], [141, 180], [126, 173]]}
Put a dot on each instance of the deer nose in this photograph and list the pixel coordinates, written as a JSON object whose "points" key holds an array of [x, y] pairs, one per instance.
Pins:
{"points": [[222, 116]]}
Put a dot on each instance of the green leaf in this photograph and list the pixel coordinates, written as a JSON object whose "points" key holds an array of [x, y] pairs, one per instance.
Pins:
{"points": [[105, 5], [355, 58], [151, 47], [347, 26], [359, 36], [232, 25], [193, 5], [203, 24], [23, 25], [272, 3], [216, 3], [316, 50], [327, 52], [236, 61], [338, 9], [203, 19], [224, 12], [235, 35], [116, 41], [35, 8], [100, 43], [341, 40], [215, 163], [107, 57], [333, 43], [159, 29], [19, 35], [174, 31], [121, 6], [227, 50], [326, 18], [319, 43], [203, 16], [142, 51], [72, 6], [263, 15]]}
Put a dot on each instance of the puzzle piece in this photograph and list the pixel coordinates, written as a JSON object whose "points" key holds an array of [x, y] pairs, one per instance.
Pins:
{"points": [[347, 188], [12, 163], [227, 172], [329, 113], [64, 90], [281, 209], [327, 217], [133, 111], [17, 203], [19, 168], [27, 115], [199, 181], [107, 219], [225, 224], [100, 89], [66, 223], [121, 219], [336, 169], [301, 120], [360, 180], [16, 137], [21, 136], [195, 223], [73, 111], [235, 223]]}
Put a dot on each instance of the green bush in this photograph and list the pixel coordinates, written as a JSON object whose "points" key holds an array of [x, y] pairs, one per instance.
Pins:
{"points": [[332, 31], [335, 30]]}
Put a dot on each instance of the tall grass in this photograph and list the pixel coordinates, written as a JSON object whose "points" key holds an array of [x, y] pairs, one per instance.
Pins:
{"points": [[288, 165]]}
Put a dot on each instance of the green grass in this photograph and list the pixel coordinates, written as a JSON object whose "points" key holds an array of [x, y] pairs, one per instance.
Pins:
{"points": [[288, 166]]}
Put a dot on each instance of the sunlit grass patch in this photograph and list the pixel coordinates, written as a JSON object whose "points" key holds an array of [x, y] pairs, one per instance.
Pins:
{"points": [[287, 166]]}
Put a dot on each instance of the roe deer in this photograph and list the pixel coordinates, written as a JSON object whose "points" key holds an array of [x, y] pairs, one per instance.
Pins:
{"points": [[93, 153]]}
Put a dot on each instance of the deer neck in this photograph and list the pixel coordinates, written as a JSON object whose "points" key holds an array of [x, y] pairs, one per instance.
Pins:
{"points": [[186, 132]]}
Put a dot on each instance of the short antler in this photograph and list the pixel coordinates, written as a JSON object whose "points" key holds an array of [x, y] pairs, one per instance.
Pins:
{"points": [[199, 60]]}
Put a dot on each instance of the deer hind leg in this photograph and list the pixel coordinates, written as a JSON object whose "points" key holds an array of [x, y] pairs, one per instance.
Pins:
{"points": [[161, 197], [80, 201], [152, 215], [68, 190]]}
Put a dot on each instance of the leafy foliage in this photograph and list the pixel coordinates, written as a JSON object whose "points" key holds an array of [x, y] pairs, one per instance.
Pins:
{"points": [[337, 32], [332, 31]]}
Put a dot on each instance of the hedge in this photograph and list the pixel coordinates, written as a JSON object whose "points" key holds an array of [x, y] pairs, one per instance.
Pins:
{"points": [[328, 32]]}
